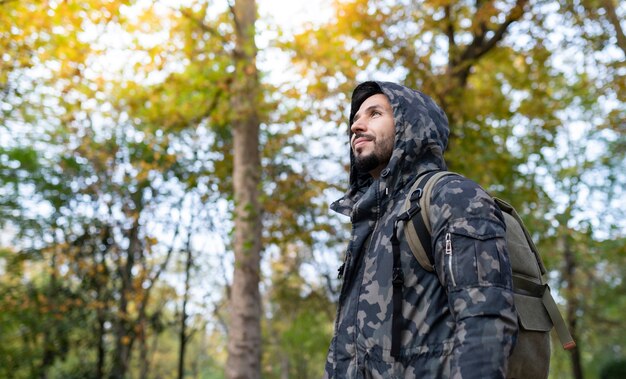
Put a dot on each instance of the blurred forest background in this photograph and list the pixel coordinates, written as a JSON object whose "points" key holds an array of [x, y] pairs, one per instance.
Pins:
{"points": [[166, 169]]}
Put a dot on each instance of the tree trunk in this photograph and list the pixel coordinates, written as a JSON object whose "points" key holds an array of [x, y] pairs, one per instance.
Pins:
{"points": [[183, 318], [244, 344], [284, 366], [101, 354], [142, 339], [99, 285], [123, 340], [124, 336], [50, 335], [572, 307]]}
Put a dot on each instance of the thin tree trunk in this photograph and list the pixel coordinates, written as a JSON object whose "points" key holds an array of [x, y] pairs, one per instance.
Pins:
{"points": [[123, 340], [49, 335], [101, 354], [143, 344], [572, 307], [244, 344], [183, 318], [102, 296], [284, 366], [124, 336]]}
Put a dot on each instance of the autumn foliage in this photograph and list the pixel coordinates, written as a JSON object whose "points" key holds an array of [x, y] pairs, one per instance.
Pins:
{"points": [[166, 169]]}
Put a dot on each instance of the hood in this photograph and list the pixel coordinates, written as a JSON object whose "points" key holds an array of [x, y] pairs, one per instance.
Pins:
{"points": [[421, 138]]}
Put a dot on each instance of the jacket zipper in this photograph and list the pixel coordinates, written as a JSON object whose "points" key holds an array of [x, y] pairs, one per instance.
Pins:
{"points": [[449, 257]]}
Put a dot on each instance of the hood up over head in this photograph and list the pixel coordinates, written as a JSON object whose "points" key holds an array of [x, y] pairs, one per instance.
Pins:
{"points": [[421, 137]]}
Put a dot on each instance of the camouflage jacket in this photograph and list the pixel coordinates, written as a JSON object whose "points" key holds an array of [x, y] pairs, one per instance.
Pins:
{"points": [[459, 322]]}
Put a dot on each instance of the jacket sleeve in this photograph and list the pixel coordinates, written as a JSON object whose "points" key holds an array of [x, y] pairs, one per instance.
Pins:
{"points": [[472, 263]]}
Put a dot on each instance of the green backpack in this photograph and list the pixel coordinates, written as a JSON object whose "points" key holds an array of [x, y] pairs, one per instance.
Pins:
{"points": [[537, 311]]}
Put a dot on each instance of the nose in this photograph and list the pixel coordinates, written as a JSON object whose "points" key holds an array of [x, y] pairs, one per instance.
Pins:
{"points": [[357, 126]]}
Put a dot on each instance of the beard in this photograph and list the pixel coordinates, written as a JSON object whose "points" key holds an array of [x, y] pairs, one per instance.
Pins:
{"points": [[383, 149], [367, 163]]}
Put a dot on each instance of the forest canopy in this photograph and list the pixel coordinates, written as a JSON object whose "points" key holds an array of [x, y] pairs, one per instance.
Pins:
{"points": [[163, 163]]}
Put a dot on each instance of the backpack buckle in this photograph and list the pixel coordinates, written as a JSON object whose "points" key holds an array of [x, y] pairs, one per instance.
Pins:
{"points": [[415, 205], [415, 209], [409, 213], [416, 195]]}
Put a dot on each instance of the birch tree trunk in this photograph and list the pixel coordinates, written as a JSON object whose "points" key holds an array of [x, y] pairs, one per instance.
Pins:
{"points": [[244, 344]]}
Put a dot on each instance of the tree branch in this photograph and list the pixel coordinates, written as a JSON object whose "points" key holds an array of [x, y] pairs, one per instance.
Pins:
{"points": [[161, 268], [450, 32], [460, 68], [611, 15], [478, 47], [231, 6], [212, 31]]}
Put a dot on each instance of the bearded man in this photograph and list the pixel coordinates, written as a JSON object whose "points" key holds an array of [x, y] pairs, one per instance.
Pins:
{"points": [[458, 322]]}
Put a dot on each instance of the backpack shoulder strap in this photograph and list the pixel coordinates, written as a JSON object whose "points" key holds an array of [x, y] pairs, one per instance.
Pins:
{"points": [[417, 228], [410, 208]]}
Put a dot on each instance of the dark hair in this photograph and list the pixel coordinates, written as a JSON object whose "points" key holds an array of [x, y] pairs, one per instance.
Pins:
{"points": [[360, 94]]}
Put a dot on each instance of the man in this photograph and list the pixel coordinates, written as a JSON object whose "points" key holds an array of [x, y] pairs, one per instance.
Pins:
{"points": [[458, 322]]}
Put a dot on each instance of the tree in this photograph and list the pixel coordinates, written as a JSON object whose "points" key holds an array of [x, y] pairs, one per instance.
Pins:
{"points": [[244, 342], [511, 102], [86, 196], [459, 53], [187, 152]]}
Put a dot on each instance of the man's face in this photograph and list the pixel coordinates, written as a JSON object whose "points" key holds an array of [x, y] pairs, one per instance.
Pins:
{"points": [[373, 134]]}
